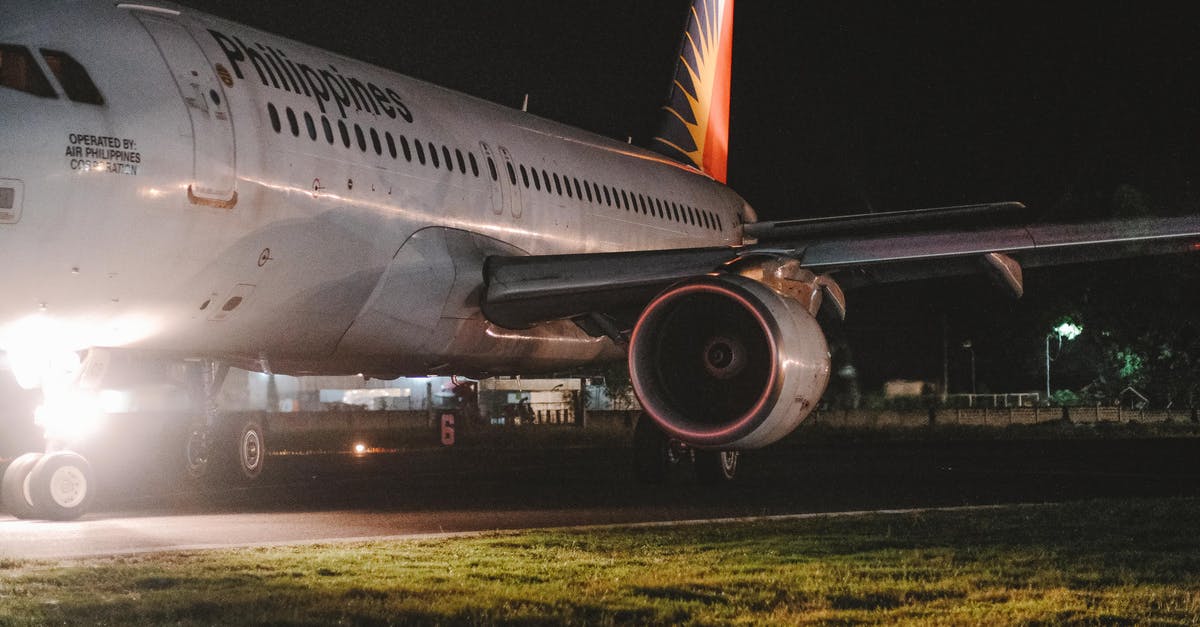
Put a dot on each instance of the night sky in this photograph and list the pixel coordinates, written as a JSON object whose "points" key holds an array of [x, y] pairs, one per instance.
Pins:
{"points": [[848, 108]]}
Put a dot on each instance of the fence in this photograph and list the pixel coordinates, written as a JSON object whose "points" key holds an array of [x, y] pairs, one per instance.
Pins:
{"points": [[996, 417]]}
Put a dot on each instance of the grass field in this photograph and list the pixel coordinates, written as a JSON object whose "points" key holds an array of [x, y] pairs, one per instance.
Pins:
{"points": [[1104, 562]]}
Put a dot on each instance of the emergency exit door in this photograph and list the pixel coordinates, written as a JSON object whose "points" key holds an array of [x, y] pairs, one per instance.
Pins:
{"points": [[214, 173]]}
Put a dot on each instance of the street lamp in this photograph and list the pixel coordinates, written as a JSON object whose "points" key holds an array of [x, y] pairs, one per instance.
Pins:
{"points": [[1067, 330], [967, 345]]}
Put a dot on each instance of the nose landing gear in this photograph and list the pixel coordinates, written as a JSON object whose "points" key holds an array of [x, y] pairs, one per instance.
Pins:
{"points": [[53, 486]]}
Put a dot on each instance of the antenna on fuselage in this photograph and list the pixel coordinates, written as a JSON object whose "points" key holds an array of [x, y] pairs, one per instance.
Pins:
{"points": [[525, 104]]}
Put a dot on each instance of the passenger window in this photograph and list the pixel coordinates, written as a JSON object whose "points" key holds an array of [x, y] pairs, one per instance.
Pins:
{"points": [[624, 200], [587, 187], [362, 139], [474, 164], [492, 167], [345, 133], [568, 186], [462, 164], [375, 142], [73, 78], [546, 178], [19, 71], [607, 197], [512, 175], [391, 144], [311, 126], [292, 123], [420, 151], [578, 190], [557, 184], [525, 176], [328, 130], [446, 159], [537, 183], [407, 151], [433, 155], [274, 114]]}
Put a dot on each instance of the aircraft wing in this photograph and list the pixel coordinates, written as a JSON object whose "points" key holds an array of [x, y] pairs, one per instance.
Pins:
{"points": [[520, 291]]}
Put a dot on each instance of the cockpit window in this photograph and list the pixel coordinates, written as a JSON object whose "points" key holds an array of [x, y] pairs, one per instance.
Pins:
{"points": [[73, 78], [19, 70]]}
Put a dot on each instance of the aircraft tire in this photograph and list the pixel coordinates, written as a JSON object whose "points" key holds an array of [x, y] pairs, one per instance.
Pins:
{"points": [[196, 449], [651, 452], [716, 467], [61, 486], [248, 450], [14, 487]]}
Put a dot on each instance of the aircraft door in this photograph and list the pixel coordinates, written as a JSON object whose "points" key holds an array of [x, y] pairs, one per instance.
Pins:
{"points": [[513, 189], [496, 174], [214, 174]]}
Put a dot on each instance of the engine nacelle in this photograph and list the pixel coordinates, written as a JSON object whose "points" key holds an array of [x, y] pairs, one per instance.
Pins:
{"points": [[725, 362]]}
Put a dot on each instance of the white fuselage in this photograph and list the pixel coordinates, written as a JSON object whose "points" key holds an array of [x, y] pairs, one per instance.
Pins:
{"points": [[197, 213]]}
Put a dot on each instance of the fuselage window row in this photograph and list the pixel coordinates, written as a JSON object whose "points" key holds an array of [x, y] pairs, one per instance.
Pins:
{"points": [[438, 154], [540, 180], [532, 178]]}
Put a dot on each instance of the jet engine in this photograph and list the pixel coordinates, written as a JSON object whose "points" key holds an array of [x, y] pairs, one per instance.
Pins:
{"points": [[726, 362]]}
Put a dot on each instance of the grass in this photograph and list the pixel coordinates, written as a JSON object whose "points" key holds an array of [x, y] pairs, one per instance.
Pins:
{"points": [[811, 432], [1104, 562]]}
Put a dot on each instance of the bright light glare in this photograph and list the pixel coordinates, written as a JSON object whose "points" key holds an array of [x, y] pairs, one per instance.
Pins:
{"points": [[69, 416], [1068, 330], [114, 401], [33, 368], [43, 351], [360, 448]]}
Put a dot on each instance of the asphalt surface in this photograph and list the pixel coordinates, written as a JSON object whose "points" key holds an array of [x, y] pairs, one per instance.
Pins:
{"points": [[334, 497]]}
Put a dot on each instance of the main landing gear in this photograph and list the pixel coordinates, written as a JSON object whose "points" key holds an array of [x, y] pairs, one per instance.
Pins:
{"points": [[214, 446], [656, 456]]}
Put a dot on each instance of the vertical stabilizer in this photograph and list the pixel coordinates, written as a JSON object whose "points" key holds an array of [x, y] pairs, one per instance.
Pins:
{"points": [[695, 120]]}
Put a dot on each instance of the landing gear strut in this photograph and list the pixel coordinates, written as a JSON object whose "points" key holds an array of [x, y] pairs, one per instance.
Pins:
{"points": [[655, 456]]}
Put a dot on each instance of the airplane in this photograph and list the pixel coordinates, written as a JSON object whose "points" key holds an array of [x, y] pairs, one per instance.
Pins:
{"points": [[186, 194]]}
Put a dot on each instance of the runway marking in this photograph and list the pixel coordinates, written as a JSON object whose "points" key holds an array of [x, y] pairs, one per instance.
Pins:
{"points": [[409, 537]]}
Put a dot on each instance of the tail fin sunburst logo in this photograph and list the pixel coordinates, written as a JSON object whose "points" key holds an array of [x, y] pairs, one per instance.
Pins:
{"points": [[695, 124]]}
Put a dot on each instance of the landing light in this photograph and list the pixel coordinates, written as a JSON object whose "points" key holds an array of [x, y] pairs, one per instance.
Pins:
{"points": [[69, 416], [360, 449]]}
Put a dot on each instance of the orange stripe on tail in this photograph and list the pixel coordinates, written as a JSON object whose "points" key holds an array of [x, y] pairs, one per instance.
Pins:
{"points": [[695, 124]]}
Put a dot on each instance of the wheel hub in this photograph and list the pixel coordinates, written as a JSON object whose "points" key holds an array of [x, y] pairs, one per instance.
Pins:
{"points": [[68, 486], [251, 450]]}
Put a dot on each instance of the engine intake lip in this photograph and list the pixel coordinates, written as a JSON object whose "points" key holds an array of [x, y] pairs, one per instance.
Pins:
{"points": [[643, 348]]}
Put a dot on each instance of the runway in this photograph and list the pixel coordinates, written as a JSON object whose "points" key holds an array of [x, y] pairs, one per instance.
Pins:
{"points": [[413, 493]]}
